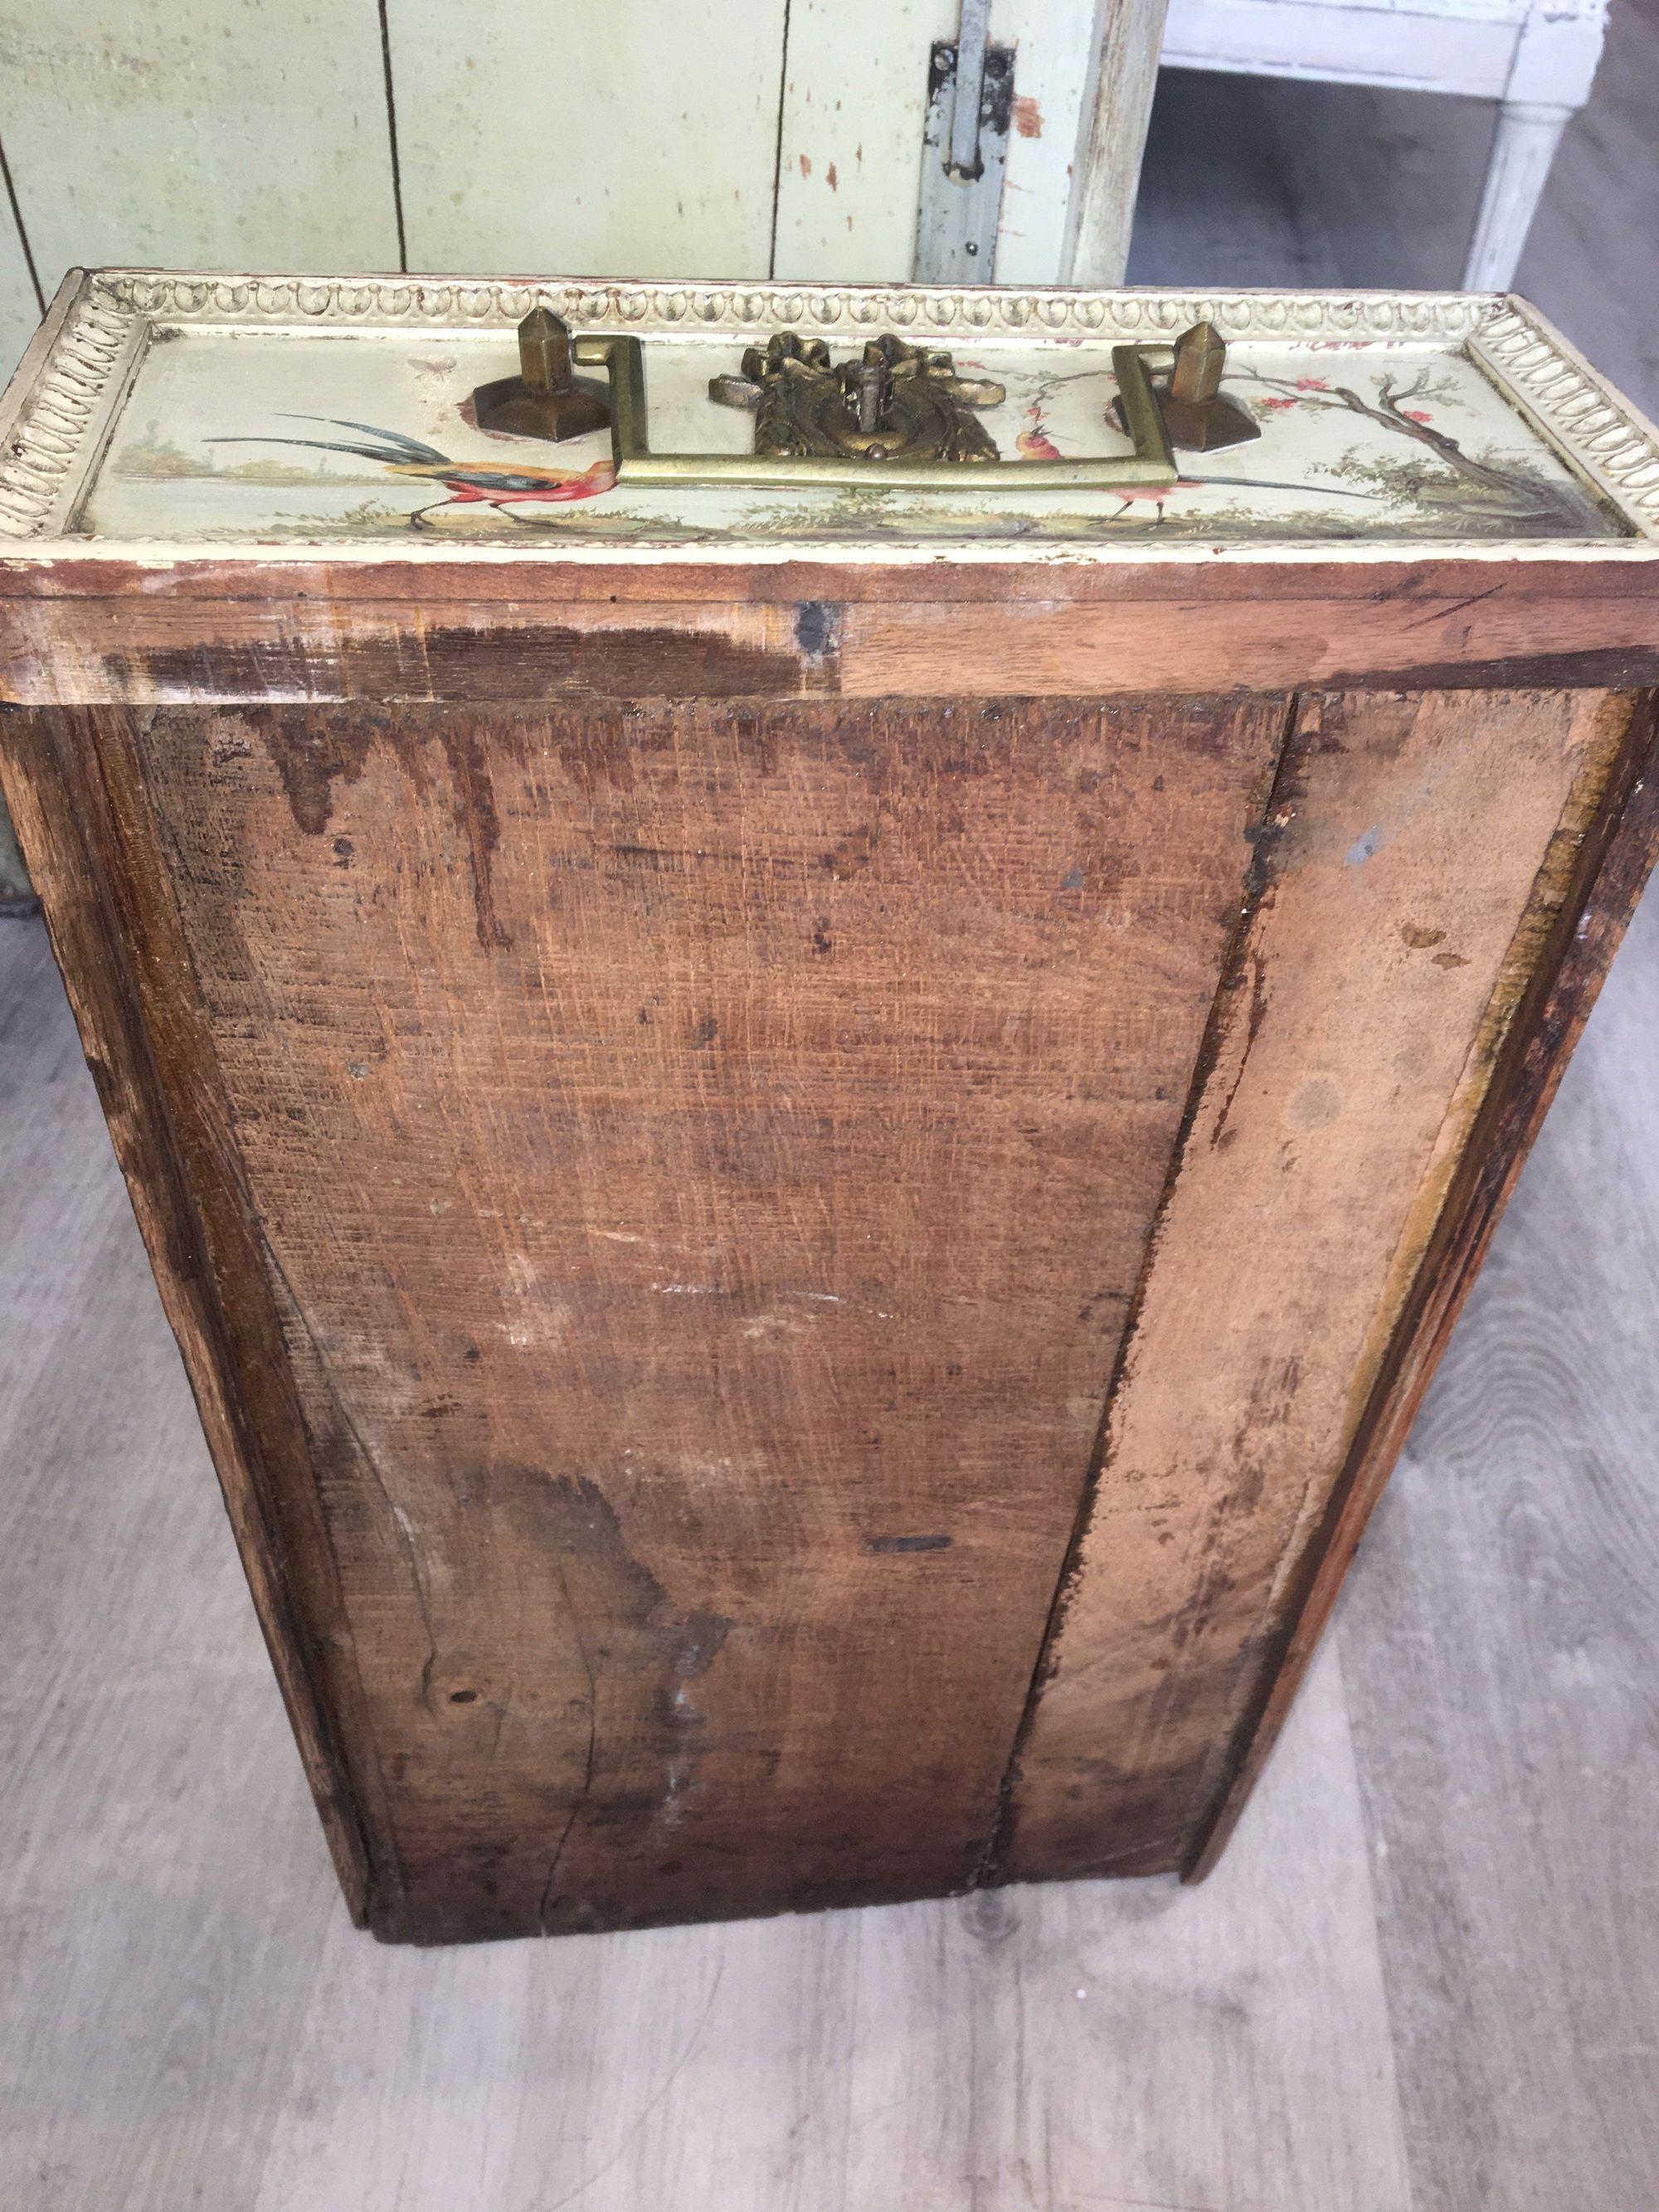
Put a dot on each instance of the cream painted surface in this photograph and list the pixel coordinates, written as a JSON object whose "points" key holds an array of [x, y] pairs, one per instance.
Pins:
{"points": [[285, 435], [855, 96], [1111, 142], [1052, 41], [20, 311], [219, 134], [1472, 417], [640, 138]]}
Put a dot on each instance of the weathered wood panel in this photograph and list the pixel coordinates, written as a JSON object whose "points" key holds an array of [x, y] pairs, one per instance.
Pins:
{"points": [[1613, 863], [642, 138], [219, 135], [1112, 141], [703, 1159], [434, 633], [854, 102], [114, 931], [1403, 915]]}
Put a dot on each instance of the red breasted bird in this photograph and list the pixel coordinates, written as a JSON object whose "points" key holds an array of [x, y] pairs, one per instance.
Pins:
{"points": [[466, 483]]}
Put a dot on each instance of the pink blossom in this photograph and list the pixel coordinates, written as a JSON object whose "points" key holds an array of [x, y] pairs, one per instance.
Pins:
{"points": [[1311, 384], [1276, 404], [1417, 415]]}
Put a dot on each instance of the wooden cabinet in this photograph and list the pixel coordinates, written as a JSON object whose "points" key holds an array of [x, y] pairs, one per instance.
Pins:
{"points": [[809, 1146]]}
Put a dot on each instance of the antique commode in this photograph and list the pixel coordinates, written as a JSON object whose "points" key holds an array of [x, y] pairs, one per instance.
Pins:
{"points": [[812, 1071]]}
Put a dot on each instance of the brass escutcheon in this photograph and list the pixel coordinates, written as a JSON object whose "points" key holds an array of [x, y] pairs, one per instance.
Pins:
{"points": [[894, 403]]}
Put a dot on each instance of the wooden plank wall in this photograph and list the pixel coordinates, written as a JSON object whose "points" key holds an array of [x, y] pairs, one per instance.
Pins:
{"points": [[218, 136], [850, 134], [658, 137]]}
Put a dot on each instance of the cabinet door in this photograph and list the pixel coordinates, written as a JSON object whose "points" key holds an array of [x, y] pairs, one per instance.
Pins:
{"points": [[854, 101]]}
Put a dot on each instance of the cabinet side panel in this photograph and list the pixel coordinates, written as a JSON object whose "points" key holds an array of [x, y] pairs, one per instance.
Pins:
{"points": [[1613, 862], [703, 1156], [1420, 854], [114, 964]]}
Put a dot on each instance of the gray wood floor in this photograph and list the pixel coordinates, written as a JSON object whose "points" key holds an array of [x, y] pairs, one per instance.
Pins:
{"points": [[1426, 1975]]}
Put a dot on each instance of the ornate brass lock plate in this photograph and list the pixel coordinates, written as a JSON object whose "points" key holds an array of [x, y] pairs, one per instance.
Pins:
{"points": [[896, 402]]}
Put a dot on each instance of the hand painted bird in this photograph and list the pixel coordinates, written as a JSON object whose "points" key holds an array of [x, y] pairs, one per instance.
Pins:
{"points": [[1035, 441], [1035, 444], [466, 483]]}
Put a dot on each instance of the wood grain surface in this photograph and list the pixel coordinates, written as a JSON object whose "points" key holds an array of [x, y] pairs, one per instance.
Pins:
{"points": [[1599, 861], [1421, 849], [702, 1159], [673, 1181], [212, 631]]}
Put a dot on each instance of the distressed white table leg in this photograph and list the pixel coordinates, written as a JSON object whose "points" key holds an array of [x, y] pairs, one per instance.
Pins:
{"points": [[1527, 136]]}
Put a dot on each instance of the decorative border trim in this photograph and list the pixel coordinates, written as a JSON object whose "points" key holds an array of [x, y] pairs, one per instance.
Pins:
{"points": [[52, 422], [1613, 445], [1609, 442], [483, 302]]}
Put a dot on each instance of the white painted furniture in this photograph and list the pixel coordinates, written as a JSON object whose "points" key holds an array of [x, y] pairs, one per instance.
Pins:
{"points": [[1536, 58]]}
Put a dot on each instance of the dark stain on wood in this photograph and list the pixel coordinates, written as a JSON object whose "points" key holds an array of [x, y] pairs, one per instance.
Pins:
{"points": [[454, 661], [818, 630], [311, 759], [1601, 668], [475, 812]]}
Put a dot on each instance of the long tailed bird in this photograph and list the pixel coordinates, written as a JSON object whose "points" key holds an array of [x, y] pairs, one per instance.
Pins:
{"points": [[466, 483]]}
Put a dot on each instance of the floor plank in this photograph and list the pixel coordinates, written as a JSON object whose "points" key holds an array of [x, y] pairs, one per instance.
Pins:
{"points": [[150, 1990], [1088, 2044], [1508, 1622]]}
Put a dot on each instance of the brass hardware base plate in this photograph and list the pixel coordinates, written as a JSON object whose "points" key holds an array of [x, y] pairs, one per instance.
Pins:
{"points": [[544, 400], [1198, 426], [509, 408]]}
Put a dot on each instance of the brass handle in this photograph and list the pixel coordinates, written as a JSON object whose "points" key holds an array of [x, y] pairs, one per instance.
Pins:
{"points": [[1151, 467]]}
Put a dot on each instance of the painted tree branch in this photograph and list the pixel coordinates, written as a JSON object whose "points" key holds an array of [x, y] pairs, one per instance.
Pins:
{"points": [[1390, 411]]}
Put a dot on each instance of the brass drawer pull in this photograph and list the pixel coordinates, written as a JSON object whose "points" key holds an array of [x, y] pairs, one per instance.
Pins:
{"points": [[1151, 465]]}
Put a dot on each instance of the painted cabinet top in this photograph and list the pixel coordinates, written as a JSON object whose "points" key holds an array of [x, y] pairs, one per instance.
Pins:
{"points": [[281, 415]]}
